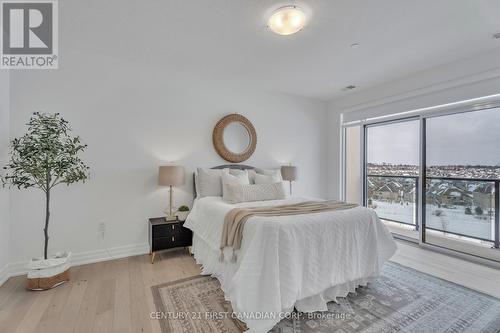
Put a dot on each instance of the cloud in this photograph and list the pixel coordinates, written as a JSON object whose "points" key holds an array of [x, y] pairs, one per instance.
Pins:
{"points": [[466, 138]]}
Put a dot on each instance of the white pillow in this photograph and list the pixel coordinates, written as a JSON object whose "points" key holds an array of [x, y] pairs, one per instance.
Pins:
{"points": [[257, 192], [266, 179], [235, 172], [270, 172], [229, 179], [208, 182], [196, 187]]}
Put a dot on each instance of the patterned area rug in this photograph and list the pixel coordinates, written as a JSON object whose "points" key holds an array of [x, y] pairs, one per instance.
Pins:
{"points": [[402, 300]]}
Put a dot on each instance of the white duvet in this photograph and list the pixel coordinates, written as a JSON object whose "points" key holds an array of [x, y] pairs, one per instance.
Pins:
{"points": [[302, 261]]}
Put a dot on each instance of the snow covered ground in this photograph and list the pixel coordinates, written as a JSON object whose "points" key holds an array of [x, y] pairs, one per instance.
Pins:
{"points": [[451, 219], [395, 211]]}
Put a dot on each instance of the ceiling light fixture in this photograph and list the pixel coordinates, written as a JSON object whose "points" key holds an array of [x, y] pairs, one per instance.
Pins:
{"points": [[354, 45], [287, 20]]}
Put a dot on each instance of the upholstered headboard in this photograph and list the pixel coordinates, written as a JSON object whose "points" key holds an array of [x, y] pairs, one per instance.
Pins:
{"points": [[224, 166]]}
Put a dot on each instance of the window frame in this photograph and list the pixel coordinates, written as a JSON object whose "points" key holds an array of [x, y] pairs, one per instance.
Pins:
{"points": [[477, 104]]}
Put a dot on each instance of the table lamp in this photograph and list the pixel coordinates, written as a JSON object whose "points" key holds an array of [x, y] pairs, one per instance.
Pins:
{"points": [[171, 175], [289, 173]]}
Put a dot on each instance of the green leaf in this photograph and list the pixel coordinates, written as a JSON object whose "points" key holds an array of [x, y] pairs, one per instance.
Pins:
{"points": [[47, 155]]}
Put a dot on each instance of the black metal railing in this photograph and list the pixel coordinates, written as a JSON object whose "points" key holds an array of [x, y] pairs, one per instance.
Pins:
{"points": [[494, 200], [371, 193]]}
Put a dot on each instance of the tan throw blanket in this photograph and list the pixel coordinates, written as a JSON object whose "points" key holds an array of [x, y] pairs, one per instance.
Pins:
{"points": [[235, 219]]}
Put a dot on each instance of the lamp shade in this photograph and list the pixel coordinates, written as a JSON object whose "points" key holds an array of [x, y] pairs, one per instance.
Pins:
{"points": [[289, 172], [171, 175]]}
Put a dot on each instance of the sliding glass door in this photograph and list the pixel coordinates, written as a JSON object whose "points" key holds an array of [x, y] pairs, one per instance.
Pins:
{"points": [[462, 176], [435, 178], [392, 167]]}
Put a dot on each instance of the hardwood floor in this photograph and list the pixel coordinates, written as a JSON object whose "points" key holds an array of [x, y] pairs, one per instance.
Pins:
{"points": [[115, 296], [482, 250], [111, 296], [471, 275]]}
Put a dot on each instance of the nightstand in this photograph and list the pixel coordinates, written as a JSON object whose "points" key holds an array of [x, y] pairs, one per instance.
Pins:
{"points": [[165, 235]]}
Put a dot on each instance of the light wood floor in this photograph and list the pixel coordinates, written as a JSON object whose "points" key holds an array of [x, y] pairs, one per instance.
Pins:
{"points": [[443, 240], [115, 296]]}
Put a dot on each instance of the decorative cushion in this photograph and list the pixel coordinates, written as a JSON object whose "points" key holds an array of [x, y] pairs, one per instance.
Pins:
{"points": [[257, 192], [236, 172], [229, 179], [266, 179], [208, 182], [270, 172]]}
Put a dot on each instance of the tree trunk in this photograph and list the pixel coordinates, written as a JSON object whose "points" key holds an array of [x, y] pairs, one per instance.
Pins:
{"points": [[47, 216]]}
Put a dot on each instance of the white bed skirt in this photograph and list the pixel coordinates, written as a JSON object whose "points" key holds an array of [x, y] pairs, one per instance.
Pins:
{"points": [[209, 259]]}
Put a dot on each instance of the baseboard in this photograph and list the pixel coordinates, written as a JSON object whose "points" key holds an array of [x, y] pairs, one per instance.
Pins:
{"points": [[82, 258]]}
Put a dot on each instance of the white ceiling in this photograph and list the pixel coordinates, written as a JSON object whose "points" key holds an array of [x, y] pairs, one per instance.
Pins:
{"points": [[228, 39]]}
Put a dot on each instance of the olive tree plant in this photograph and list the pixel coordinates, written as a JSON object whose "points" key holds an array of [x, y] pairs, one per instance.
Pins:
{"points": [[46, 156]]}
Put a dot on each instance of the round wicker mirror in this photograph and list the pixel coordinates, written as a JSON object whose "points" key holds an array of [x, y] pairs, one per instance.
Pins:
{"points": [[234, 138]]}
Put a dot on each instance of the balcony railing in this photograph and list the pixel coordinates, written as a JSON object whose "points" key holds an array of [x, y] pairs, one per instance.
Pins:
{"points": [[466, 207], [394, 198]]}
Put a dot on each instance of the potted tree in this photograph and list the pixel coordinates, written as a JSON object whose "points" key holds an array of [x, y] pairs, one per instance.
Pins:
{"points": [[46, 156]]}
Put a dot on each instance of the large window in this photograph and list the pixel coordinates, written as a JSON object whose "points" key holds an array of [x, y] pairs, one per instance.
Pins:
{"points": [[436, 178], [462, 170], [392, 166]]}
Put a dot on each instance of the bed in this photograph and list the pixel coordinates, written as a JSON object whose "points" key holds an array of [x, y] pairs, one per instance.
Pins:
{"points": [[287, 262]]}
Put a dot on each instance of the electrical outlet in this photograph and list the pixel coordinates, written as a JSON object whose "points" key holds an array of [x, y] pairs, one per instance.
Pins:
{"points": [[102, 229]]}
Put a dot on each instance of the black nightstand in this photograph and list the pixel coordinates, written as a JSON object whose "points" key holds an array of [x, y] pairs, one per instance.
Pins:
{"points": [[165, 235]]}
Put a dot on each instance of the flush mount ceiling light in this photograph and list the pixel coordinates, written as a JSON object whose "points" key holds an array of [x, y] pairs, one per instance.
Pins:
{"points": [[287, 20]]}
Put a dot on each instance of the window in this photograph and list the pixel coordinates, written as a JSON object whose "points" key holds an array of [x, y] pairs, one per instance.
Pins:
{"points": [[462, 170], [392, 167], [434, 178]]}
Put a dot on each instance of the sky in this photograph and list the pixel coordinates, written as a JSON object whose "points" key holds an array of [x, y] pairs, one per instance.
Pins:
{"points": [[467, 138]]}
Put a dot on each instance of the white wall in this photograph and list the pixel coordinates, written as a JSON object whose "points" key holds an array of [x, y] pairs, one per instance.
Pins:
{"points": [[134, 118], [334, 158], [466, 79], [4, 192]]}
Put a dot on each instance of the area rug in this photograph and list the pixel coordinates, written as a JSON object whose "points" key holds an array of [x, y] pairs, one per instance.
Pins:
{"points": [[401, 300]]}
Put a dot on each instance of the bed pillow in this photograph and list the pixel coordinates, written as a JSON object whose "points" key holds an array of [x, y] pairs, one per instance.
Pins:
{"points": [[270, 172], [229, 179], [257, 192], [236, 172], [266, 179], [196, 188], [251, 176], [208, 182]]}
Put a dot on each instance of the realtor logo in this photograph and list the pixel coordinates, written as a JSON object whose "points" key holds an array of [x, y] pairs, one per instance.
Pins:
{"points": [[29, 34]]}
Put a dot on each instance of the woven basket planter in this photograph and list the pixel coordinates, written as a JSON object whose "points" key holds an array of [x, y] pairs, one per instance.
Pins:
{"points": [[49, 273]]}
